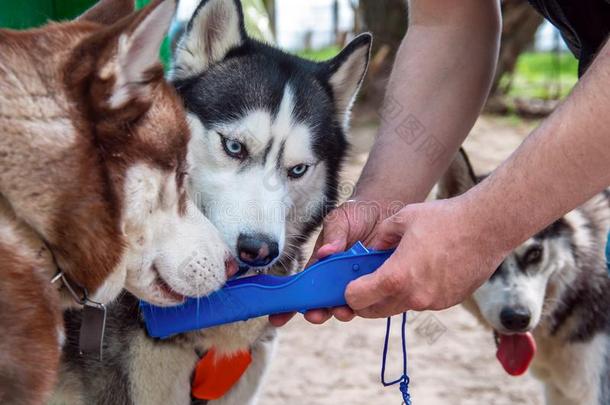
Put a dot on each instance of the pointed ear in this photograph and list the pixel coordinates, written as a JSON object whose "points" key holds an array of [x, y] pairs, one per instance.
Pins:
{"points": [[458, 179], [108, 12], [345, 73], [137, 56], [217, 26]]}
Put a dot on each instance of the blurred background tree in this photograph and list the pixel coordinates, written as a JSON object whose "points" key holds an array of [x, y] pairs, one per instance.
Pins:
{"points": [[520, 22], [530, 78], [387, 20]]}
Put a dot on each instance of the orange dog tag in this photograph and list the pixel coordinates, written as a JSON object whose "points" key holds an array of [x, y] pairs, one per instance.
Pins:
{"points": [[215, 376]]}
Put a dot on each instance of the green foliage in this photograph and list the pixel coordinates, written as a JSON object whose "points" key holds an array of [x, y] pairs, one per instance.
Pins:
{"points": [[544, 75], [34, 13], [319, 54], [257, 20]]}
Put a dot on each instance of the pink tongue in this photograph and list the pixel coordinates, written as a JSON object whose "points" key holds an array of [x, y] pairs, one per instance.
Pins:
{"points": [[516, 352]]}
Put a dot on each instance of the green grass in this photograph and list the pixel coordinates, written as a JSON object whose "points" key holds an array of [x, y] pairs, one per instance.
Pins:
{"points": [[543, 75], [319, 54]]}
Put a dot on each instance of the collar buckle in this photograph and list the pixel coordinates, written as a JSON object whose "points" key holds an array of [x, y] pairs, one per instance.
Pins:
{"points": [[77, 298], [93, 321]]}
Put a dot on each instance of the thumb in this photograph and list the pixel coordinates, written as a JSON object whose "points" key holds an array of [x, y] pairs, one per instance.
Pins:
{"points": [[336, 229], [321, 250], [333, 238], [376, 287], [390, 232]]}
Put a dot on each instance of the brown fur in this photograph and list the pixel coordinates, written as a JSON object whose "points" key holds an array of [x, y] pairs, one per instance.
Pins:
{"points": [[29, 315], [108, 12], [64, 151], [30, 346]]}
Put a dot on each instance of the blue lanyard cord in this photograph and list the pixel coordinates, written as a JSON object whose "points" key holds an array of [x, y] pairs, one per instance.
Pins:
{"points": [[404, 379]]}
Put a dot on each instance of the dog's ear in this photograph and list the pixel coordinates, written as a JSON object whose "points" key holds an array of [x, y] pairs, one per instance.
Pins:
{"points": [[108, 12], [115, 70], [458, 179], [137, 56], [130, 61], [217, 27], [345, 73]]}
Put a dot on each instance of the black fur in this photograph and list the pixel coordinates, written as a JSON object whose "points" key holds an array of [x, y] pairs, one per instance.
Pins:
{"points": [[587, 301], [124, 316], [557, 229], [254, 76]]}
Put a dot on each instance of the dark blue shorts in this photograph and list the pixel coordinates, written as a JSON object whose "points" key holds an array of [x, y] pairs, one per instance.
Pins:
{"points": [[608, 253]]}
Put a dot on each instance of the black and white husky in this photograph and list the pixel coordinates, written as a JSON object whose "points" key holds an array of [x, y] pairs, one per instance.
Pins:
{"points": [[268, 145], [552, 294]]}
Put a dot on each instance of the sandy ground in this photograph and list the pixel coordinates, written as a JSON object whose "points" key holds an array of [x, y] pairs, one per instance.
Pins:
{"points": [[451, 357]]}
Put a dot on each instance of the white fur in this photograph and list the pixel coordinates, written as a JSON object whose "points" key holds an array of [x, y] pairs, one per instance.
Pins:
{"points": [[150, 362], [521, 290], [346, 81], [582, 237], [186, 249], [261, 198], [247, 389], [571, 371], [61, 336], [216, 30]]}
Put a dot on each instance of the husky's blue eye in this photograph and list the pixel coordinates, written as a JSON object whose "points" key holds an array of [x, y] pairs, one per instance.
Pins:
{"points": [[298, 171], [234, 148]]}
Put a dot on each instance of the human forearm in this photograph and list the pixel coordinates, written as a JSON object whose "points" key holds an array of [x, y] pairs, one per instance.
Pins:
{"points": [[445, 249], [439, 83], [562, 164]]}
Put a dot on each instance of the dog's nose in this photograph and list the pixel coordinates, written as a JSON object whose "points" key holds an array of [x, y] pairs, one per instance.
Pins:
{"points": [[257, 250], [515, 319]]}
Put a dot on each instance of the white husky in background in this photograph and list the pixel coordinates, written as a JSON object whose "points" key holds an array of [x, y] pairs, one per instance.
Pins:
{"points": [[549, 301]]}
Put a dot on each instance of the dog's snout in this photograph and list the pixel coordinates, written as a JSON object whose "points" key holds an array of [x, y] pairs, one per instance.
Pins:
{"points": [[515, 319], [257, 250]]}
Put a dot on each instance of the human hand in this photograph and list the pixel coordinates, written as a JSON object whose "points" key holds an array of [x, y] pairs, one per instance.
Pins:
{"points": [[353, 221], [443, 255]]}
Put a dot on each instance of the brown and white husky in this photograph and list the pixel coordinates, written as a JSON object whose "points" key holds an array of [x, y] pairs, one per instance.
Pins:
{"points": [[93, 146], [269, 139]]}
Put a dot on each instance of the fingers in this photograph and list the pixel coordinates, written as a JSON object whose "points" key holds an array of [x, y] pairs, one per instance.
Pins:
{"points": [[343, 314], [318, 316], [280, 320]]}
